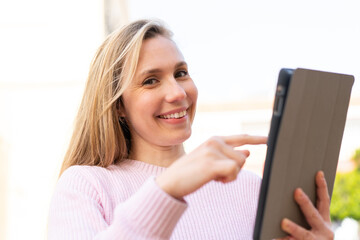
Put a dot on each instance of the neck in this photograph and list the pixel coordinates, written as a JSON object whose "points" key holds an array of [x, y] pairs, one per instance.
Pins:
{"points": [[162, 156]]}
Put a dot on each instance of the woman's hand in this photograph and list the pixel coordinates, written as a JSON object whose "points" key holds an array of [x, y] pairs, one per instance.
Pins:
{"points": [[216, 159], [318, 218]]}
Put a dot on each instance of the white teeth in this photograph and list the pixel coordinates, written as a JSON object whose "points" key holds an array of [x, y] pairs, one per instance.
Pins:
{"points": [[174, 115]]}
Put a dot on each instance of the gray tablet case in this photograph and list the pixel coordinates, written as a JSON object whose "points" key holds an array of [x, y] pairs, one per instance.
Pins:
{"points": [[312, 111]]}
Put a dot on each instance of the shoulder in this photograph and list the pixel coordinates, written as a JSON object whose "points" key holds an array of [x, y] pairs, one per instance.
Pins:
{"points": [[91, 179], [85, 173], [111, 180]]}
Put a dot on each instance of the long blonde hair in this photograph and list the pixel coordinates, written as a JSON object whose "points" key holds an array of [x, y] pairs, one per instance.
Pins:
{"points": [[99, 138]]}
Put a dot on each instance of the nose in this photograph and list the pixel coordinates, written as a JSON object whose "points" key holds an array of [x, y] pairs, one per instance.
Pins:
{"points": [[175, 91]]}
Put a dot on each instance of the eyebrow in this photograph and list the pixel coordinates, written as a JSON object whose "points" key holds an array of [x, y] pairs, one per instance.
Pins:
{"points": [[157, 70]]}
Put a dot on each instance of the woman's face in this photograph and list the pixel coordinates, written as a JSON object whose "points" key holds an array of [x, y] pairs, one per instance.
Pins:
{"points": [[159, 104]]}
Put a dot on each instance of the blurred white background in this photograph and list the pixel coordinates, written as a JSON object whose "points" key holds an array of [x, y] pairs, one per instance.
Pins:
{"points": [[235, 50]]}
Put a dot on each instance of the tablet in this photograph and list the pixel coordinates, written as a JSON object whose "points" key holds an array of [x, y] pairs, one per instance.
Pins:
{"points": [[305, 136]]}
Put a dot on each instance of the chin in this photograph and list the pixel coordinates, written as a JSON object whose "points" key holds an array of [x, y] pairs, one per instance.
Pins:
{"points": [[179, 139]]}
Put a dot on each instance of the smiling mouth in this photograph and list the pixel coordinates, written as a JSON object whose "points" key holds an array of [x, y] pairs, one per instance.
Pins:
{"points": [[174, 115]]}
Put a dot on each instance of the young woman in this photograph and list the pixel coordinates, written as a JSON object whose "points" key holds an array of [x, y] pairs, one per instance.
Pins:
{"points": [[126, 175]]}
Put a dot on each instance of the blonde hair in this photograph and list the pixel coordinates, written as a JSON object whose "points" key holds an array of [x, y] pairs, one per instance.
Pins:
{"points": [[99, 138]]}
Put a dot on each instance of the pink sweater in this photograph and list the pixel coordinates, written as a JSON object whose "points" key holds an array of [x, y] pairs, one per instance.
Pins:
{"points": [[124, 202]]}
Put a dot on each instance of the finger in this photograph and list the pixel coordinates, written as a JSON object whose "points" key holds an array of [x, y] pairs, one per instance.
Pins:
{"points": [[245, 152], [237, 155], [226, 151], [295, 230], [311, 214], [323, 198], [226, 170], [239, 140]]}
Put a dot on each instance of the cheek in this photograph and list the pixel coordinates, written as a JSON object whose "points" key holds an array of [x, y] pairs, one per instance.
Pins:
{"points": [[192, 92], [141, 106]]}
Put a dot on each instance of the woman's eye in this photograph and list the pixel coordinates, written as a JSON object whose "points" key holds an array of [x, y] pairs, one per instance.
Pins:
{"points": [[181, 73], [150, 81]]}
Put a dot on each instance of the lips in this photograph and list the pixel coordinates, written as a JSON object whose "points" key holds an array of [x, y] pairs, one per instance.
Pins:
{"points": [[175, 115]]}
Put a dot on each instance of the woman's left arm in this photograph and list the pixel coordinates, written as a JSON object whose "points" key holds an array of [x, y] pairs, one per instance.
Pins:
{"points": [[318, 218]]}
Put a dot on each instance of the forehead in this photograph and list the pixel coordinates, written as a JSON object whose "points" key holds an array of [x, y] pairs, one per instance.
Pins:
{"points": [[158, 52]]}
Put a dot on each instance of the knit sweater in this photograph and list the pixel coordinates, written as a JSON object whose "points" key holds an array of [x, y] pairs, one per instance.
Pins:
{"points": [[123, 201]]}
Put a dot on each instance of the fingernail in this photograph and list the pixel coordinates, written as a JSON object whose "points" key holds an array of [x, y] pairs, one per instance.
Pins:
{"points": [[322, 174], [300, 193], [285, 224]]}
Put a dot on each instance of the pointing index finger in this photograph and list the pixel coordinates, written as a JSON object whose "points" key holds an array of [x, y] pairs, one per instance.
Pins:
{"points": [[243, 139]]}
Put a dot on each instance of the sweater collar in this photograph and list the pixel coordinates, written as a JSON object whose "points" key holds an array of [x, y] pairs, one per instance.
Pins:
{"points": [[141, 166]]}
